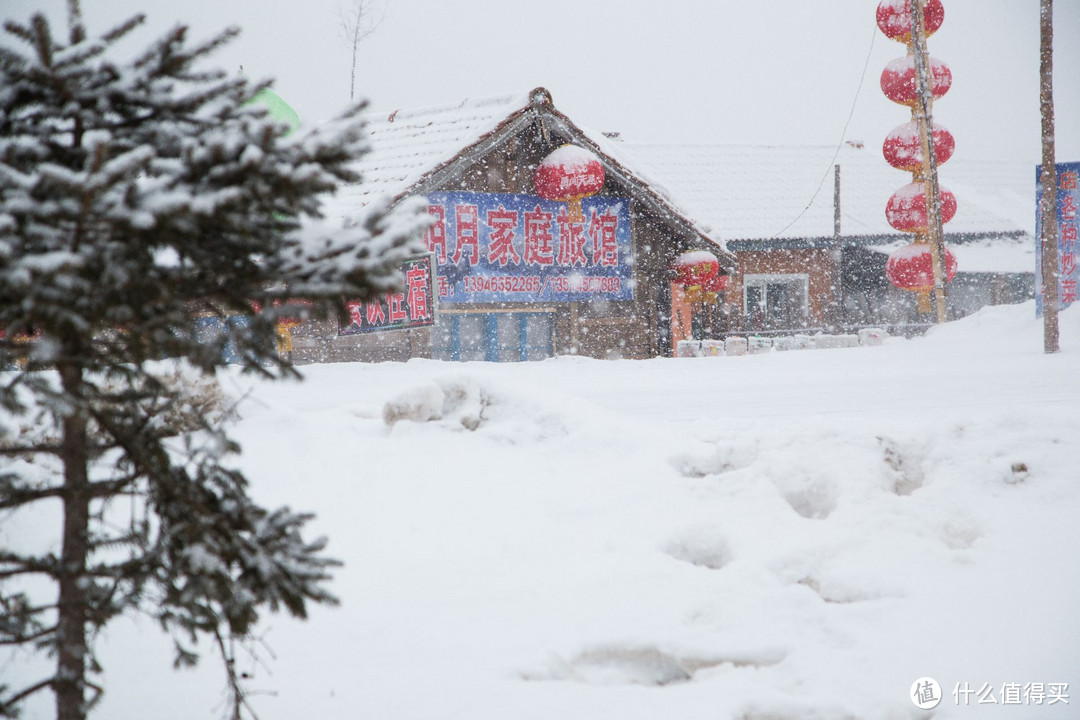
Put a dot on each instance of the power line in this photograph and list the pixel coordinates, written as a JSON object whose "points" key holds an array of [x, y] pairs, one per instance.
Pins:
{"points": [[843, 135]]}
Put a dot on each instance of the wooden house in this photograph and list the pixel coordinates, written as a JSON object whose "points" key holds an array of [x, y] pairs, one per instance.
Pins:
{"points": [[515, 278]]}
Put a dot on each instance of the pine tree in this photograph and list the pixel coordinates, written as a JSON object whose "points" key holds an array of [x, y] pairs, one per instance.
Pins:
{"points": [[134, 197]]}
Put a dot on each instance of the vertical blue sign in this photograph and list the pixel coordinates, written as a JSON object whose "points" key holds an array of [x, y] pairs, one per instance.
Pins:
{"points": [[1068, 197]]}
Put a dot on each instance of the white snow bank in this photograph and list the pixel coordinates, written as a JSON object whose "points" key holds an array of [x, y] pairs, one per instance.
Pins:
{"points": [[783, 536]]}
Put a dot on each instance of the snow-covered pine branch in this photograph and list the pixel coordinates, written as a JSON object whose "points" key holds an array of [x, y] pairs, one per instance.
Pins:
{"points": [[135, 196]]}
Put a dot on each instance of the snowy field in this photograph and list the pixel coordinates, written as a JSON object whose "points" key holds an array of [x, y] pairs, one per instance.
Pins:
{"points": [[790, 536]]}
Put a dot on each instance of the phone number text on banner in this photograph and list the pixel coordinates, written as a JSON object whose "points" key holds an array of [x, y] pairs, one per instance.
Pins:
{"points": [[501, 247]]}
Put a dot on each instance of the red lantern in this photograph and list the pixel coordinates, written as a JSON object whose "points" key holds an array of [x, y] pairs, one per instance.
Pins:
{"points": [[568, 174], [695, 268], [898, 80], [903, 146], [894, 18], [906, 209], [912, 268]]}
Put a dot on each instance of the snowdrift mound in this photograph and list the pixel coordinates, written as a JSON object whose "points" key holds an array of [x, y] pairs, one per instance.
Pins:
{"points": [[458, 400]]}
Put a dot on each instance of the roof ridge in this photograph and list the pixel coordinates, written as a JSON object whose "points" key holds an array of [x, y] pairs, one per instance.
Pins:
{"points": [[512, 101], [748, 145]]}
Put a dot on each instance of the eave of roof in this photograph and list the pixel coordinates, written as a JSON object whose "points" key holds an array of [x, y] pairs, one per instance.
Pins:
{"points": [[833, 241]]}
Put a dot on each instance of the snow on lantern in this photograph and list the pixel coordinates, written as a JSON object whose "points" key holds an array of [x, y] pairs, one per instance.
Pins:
{"points": [[903, 146], [898, 80], [911, 267], [568, 174], [695, 270], [894, 18], [906, 209]]}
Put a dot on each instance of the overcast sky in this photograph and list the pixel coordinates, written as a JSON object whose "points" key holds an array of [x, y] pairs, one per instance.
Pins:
{"points": [[767, 71]]}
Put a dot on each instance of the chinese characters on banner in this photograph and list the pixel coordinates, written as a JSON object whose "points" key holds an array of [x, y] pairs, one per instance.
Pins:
{"points": [[414, 307], [522, 248], [1068, 198]]}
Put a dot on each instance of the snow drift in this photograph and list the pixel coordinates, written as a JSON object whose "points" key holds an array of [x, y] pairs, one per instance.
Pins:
{"points": [[780, 536]]}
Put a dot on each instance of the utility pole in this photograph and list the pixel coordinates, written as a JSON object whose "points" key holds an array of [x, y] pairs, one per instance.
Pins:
{"points": [[1048, 206], [924, 101], [836, 202]]}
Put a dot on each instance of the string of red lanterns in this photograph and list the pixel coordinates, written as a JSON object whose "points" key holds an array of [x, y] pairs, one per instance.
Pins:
{"points": [[911, 267]]}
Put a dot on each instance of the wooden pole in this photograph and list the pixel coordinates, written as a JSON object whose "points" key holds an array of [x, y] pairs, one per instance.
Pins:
{"points": [[1048, 206], [924, 104], [836, 202]]}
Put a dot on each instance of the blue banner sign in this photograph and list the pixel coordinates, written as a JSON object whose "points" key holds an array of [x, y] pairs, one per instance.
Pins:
{"points": [[492, 247], [1068, 245]]}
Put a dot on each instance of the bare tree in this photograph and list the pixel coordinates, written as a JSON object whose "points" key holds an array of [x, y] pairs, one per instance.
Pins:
{"points": [[1048, 206], [357, 23]]}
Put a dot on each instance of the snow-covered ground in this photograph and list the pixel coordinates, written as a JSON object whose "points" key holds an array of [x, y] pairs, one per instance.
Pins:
{"points": [[795, 535]]}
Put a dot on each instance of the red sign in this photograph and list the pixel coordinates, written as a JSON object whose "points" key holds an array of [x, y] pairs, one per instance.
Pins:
{"points": [[413, 307]]}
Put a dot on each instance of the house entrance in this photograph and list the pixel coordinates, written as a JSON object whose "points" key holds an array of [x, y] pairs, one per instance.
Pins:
{"points": [[493, 337]]}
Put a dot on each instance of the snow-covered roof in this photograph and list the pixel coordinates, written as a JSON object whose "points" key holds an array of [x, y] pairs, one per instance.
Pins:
{"points": [[408, 145], [759, 192], [726, 192], [996, 255], [986, 255], [408, 148]]}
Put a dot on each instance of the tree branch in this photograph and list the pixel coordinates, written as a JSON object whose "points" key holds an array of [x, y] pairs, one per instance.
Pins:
{"points": [[99, 489], [46, 448], [239, 695], [23, 694], [23, 639], [47, 565]]}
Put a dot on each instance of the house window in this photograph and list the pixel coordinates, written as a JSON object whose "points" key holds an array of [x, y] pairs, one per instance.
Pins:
{"points": [[776, 302], [494, 337]]}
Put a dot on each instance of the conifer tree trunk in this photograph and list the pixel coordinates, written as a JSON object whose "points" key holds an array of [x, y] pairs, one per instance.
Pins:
{"points": [[71, 602]]}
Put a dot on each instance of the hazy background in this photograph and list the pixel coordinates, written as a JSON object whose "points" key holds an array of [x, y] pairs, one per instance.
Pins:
{"points": [[768, 71]]}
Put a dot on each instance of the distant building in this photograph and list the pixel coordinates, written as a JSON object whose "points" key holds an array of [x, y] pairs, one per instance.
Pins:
{"points": [[513, 280], [808, 230], [804, 244]]}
